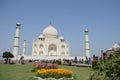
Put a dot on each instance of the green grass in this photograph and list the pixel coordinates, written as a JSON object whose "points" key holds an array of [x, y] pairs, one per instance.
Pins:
{"points": [[23, 72], [80, 73], [16, 72]]}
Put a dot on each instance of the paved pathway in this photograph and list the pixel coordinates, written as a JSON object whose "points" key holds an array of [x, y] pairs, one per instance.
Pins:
{"points": [[83, 65], [80, 65]]}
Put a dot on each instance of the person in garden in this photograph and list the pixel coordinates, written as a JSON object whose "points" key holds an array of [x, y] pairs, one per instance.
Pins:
{"points": [[21, 60]]}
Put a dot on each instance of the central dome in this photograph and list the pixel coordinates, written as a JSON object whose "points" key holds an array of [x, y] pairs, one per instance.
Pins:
{"points": [[50, 31]]}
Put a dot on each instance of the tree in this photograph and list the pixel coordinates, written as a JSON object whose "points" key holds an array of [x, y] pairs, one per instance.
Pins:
{"points": [[7, 56]]}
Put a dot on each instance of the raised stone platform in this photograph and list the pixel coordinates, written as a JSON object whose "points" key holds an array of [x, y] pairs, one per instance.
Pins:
{"points": [[50, 57]]}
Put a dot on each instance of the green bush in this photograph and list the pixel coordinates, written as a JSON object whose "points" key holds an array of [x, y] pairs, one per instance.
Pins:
{"points": [[109, 70], [95, 65]]}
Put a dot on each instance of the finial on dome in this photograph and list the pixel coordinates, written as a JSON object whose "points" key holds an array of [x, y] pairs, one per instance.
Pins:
{"points": [[50, 23]]}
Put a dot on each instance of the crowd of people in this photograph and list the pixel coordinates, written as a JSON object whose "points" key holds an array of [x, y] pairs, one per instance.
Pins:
{"points": [[66, 61]]}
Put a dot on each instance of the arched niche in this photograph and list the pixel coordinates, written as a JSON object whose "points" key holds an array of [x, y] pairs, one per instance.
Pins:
{"points": [[52, 49]]}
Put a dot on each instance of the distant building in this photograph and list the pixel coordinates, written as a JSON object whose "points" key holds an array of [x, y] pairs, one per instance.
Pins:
{"points": [[110, 51], [50, 44]]}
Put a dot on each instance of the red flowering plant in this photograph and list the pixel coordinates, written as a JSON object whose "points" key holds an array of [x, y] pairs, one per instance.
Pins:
{"points": [[43, 65]]}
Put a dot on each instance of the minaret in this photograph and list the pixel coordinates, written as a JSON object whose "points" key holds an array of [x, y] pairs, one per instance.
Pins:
{"points": [[16, 41], [24, 48], [87, 50]]}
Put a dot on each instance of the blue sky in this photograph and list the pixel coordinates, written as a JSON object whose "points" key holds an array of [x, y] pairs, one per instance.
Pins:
{"points": [[69, 17]]}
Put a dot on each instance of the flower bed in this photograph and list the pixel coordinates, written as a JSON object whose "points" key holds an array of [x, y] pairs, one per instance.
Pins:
{"points": [[48, 71], [42, 65], [54, 73]]}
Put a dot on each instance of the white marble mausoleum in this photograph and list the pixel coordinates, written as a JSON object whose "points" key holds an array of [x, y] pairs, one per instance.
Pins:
{"points": [[49, 43]]}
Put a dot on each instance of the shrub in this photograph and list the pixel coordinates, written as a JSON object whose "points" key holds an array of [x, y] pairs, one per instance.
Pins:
{"points": [[95, 65], [109, 70]]}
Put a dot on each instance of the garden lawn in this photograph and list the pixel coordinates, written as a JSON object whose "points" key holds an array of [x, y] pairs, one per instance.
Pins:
{"points": [[23, 72], [16, 72], [80, 73]]}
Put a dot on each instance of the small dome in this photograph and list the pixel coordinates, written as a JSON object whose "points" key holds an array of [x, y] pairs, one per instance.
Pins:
{"points": [[110, 49], [18, 24], [41, 36], [86, 30], [116, 46], [61, 37], [50, 31]]}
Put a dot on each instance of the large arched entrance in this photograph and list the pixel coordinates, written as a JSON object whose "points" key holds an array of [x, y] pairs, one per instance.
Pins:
{"points": [[52, 50]]}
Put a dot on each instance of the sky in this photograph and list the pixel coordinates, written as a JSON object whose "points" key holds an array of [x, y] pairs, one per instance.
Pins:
{"points": [[69, 17]]}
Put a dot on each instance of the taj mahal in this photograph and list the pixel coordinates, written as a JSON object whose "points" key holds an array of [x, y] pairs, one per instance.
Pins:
{"points": [[48, 45]]}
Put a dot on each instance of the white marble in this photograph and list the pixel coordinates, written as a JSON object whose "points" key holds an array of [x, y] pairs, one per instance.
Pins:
{"points": [[50, 44]]}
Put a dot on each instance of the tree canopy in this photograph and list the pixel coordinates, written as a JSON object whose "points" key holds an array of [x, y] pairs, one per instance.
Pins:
{"points": [[7, 55]]}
